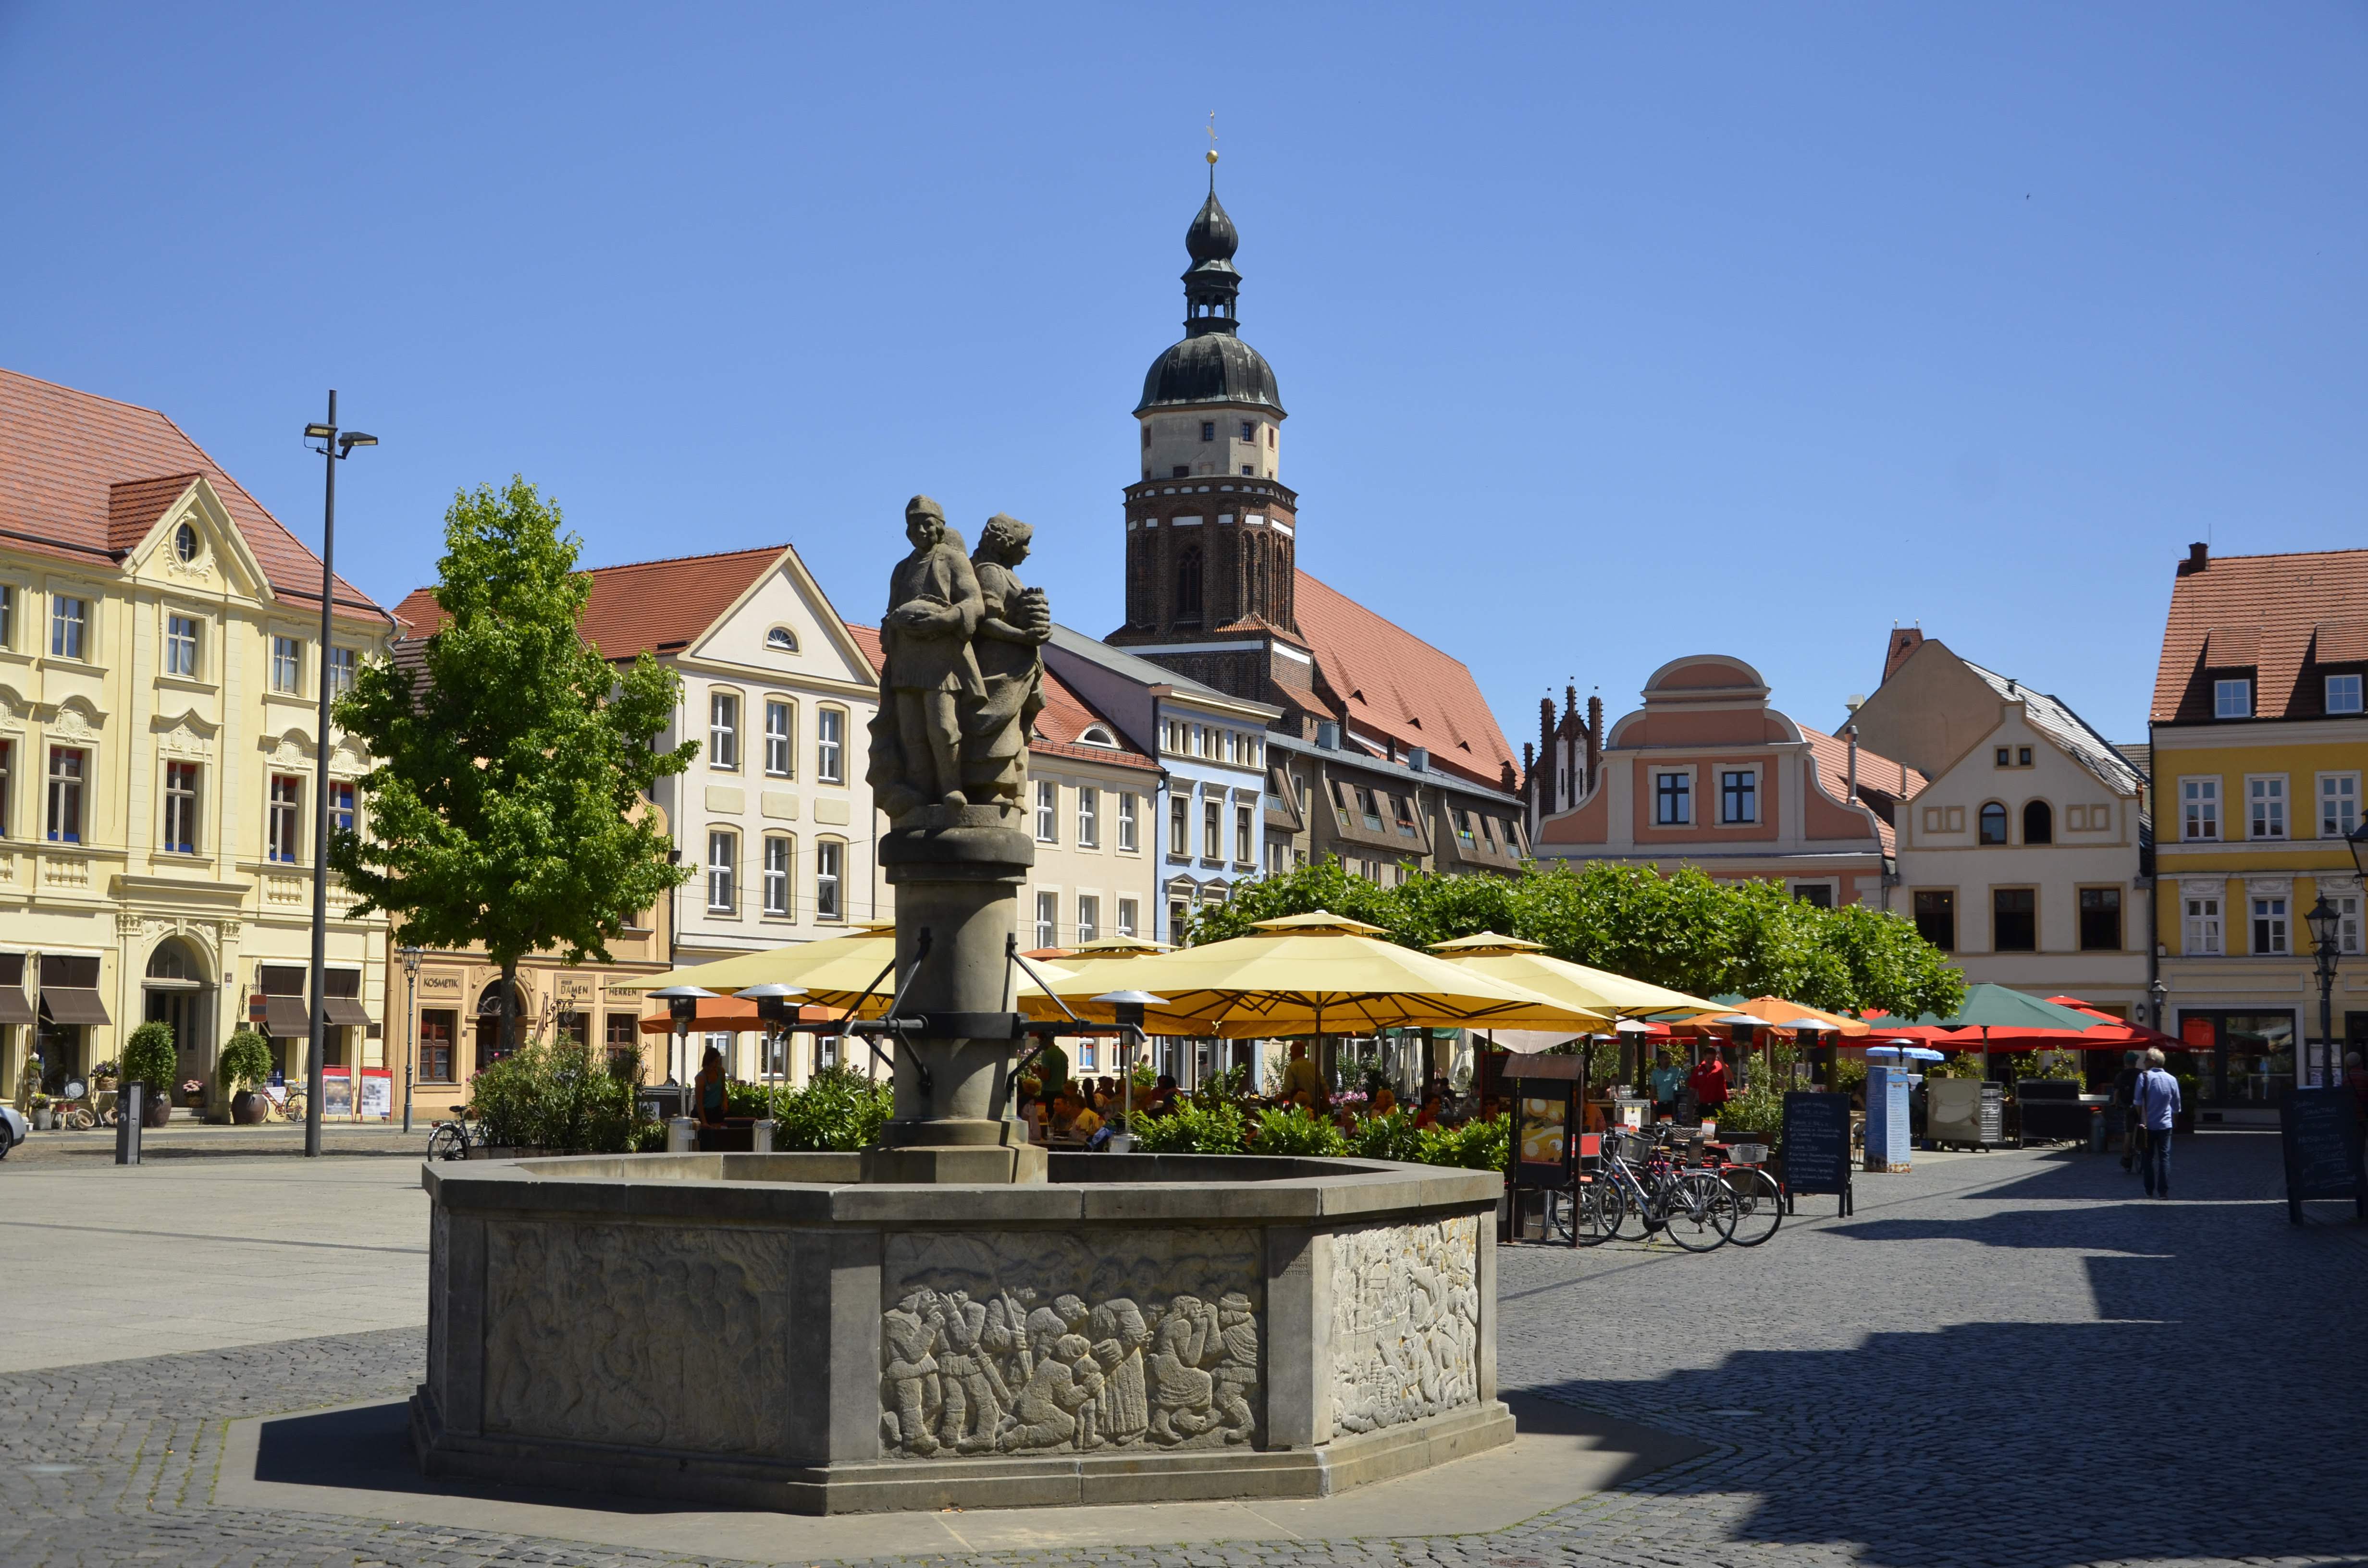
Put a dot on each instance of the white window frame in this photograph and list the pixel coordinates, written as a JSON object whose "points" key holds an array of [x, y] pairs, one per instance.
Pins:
{"points": [[343, 662], [2198, 806], [182, 809], [1684, 794], [780, 738], [2356, 697], [182, 642], [1752, 771], [2232, 697], [341, 806], [7, 614], [1212, 829], [780, 866], [2347, 933], [830, 880], [1090, 918], [724, 730], [1129, 839], [67, 796], [830, 744], [723, 871], [1245, 837], [1129, 915], [2338, 804], [2279, 922], [283, 819], [1047, 918], [1048, 816], [71, 628], [287, 665], [1179, 826], [2266, 816], [2205, 935], [1089, 817]]}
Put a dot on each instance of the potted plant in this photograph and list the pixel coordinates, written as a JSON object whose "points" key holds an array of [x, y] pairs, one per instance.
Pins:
{"points": [[246, 1061], [102, 1074], [40, 1108], [149, 1058]]}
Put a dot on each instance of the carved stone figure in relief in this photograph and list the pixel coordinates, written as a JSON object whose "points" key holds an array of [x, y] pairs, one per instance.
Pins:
{"points": [[1405, 1323], [909, 1332]]}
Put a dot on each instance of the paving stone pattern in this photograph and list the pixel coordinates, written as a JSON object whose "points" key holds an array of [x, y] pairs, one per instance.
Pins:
{"points": [[2001, 1359]]}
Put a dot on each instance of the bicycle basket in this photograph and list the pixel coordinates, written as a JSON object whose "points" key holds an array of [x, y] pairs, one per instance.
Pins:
{"points": [[1633, 1149], [1746, 1154]]}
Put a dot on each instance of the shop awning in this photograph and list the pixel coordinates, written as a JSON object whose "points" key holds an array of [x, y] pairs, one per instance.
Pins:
{"points": [[286, 1018], [74, 1004], [347, 1010], [14, 1008]]}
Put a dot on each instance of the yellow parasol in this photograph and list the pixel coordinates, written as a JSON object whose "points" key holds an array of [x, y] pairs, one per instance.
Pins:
{"points": [[833, 972], [1308, 974], [1529, 965]]}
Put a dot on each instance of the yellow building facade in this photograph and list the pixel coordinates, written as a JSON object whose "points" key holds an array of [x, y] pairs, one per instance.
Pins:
{"points": [[159, 659], [2260, 745]]}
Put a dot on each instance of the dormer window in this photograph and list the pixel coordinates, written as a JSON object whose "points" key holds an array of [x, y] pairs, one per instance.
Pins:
{"points": [[2343, 693], [1098, 735], [2232, 698], [781, 639], [185, 544]]}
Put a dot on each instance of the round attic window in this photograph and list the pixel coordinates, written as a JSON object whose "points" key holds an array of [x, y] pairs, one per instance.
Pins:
{"points": [[781, 639], [185, 543], [1096, 735]]}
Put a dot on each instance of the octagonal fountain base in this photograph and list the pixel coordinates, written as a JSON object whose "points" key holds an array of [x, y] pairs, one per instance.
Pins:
{"points": [[766, 1331]]}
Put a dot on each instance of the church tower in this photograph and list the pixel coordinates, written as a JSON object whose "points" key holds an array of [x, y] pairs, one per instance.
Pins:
{"points": [[1211, 530]]}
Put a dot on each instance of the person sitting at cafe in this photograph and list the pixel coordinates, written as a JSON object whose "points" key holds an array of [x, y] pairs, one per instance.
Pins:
{"points": [[1708, 1082], [1386, 1103], [1063, 1113], [1085, 1123], [1162, 1101], [1301, 1076], [1429, 1113], [711, 1096]]}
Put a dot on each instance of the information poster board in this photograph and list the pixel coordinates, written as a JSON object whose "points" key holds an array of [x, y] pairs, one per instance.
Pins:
{"points": [[1818, 1146], [377, 1094], [1545, 1127], [1887, 1147], [336, 1093], [2319, 1131]]}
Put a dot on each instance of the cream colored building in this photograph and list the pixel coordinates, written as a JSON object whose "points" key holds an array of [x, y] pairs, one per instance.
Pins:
{"points": [[2021, 857], [159, 662]]}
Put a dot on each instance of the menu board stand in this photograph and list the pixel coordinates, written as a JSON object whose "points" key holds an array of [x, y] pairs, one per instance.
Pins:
{"points": [[1817, 1147], [2319, 1130], [1546, 1097]]}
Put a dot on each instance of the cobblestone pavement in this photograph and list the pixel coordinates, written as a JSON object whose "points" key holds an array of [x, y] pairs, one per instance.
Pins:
{"points": [[2001, 1359]]}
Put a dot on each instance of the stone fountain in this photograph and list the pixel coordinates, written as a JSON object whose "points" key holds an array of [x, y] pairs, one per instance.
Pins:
{"points": [[951, 1318]]}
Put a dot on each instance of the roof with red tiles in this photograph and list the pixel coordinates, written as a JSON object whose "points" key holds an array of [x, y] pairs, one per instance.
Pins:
{"points": [[78, 471], [1877, 774], [1066, 716], [643, 607], [2276, 616], [1396, 687]]}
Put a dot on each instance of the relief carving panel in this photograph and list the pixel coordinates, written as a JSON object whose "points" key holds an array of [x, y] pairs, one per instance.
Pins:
{"points": [[1035, 1343], [1406, 1321], [637, 1334]]}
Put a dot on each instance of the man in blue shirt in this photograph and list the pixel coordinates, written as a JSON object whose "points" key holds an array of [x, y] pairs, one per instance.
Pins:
{"points": [[1667, 1078], [2154, 1102]]}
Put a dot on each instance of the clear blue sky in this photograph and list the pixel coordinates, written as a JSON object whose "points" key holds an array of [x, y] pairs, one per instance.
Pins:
{"points": [[1608, 333]]}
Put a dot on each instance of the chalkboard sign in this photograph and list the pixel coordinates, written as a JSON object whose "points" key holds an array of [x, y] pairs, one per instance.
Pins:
{"points": [[1818, 1146], [2320, 1133]]}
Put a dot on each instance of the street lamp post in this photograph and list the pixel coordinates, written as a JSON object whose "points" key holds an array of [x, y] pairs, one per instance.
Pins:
{"points": [[2325, 925], [336, 446], [411, 1015], [2159, 996]]}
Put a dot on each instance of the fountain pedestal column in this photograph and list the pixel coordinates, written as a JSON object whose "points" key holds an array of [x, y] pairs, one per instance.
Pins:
{"points": [[957, 871]]}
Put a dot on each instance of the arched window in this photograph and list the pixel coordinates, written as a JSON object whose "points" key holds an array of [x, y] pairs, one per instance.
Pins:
{"points": [[2038, 823], [781, 639], [1993, 822], [1188, 583], [1097, 735]]}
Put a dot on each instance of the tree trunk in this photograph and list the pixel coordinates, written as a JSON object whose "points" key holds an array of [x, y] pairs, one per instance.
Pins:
{"points": [[509, 1007]]}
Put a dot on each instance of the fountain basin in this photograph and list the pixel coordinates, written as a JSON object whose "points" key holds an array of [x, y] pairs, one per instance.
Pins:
{"points": [[768, 1331]]}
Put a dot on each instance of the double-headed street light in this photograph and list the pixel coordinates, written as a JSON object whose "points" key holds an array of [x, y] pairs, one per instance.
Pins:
{"points": [[2326, 923], [335, 445]]}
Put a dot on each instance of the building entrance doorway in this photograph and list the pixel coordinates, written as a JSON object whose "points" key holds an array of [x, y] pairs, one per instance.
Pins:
{"points": [[174, 992], [489, 1023]]}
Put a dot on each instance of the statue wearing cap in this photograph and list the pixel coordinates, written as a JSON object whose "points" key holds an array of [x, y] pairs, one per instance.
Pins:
{"points": [[929, 673]]}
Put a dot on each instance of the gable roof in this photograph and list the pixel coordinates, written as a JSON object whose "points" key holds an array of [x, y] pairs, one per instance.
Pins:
{"points": [[1392, 684], [1141, 671], [2272, 614], [2053, 717], [1877, 774], [77, 471], [643, 607]]}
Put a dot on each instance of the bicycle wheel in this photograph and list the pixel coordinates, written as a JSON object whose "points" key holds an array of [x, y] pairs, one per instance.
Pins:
{"points": [[446, 1142], [1598, 1212], [1699, 1211], [1758, 1204]]}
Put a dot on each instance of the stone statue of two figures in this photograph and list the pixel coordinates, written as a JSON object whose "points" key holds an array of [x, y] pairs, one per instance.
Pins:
{"points": [[962, 671]]}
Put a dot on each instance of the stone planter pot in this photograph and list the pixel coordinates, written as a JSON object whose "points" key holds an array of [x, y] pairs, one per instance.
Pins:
{"points": [[41, 1115], [156, 1111], [249, 1109]]}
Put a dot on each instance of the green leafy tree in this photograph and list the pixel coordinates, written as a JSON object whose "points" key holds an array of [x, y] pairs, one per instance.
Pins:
{"points": [[1686, 930], [505, 810]]}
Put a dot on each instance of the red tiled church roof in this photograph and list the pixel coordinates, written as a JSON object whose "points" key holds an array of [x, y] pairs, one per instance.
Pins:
{"points": [[1396, 687], [644, 607], [83, 477], [2271, 614]]}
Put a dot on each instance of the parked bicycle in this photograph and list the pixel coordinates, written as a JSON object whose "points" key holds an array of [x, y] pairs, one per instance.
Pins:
{"points": [[1759, 1201], [1640, 1176], [451, 1140]]}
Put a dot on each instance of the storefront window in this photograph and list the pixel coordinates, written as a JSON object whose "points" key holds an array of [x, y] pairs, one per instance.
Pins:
{"points": [[2244, 1059]]}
